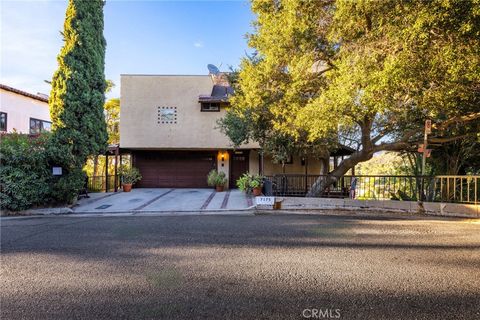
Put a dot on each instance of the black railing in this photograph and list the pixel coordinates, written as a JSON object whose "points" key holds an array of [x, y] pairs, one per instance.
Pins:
{"points": [[459, 189], [99, 183]]}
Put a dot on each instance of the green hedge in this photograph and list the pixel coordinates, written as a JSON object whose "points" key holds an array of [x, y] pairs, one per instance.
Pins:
{"points": [[26, 178]]}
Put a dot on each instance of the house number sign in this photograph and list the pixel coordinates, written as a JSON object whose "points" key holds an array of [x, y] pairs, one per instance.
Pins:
{"points": [[265, 201]]}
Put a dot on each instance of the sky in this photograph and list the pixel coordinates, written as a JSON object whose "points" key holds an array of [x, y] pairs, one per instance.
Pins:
{"points": [[143, 37]]}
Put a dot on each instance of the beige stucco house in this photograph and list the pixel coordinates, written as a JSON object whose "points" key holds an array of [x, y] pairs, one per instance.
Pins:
{"points": [[169, 126], [22, 111]]}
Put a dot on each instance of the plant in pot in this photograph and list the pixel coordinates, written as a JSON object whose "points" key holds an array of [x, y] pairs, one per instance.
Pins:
{"points": [[250, 183], [217, 179], [243, 183], [130, 175], [256, 185]]}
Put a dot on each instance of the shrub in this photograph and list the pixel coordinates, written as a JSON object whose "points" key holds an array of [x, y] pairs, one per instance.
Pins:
{"points": [[243, 183], [26, 178], [216, 178], [248, 181], [23, 172], [66, 187], [130, 175]]}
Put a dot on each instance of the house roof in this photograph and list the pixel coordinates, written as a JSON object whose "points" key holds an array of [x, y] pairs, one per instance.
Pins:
{"points": [[342, 150], [220, 93], [221, 89], [24, 93]]}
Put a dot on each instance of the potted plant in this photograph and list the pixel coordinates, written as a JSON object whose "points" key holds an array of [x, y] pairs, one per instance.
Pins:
{"points": [[256, 185], [243, 183], [217, 179], [130, 175], [250, 183]]}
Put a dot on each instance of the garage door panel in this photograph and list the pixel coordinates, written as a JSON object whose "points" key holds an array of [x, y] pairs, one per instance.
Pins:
{"points": [[174, 169]]}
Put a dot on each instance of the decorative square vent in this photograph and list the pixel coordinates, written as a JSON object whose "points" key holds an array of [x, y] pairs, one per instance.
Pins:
{"points": [[167, 115]]}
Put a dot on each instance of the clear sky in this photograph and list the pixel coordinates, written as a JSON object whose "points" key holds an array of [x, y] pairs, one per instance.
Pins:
{"points": [[146, 37]]}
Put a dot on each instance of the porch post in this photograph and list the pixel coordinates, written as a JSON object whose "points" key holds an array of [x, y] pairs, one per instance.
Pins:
{"points": [[335, 166], [306, 175], [260, 163], [116, 169], [106, 172], [325, 166]]}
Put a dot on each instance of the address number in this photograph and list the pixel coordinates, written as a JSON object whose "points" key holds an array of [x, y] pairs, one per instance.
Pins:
{"points": [[265, 200]]}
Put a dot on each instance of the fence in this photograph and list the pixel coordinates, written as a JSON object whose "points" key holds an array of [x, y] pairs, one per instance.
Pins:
{"points": [[99, 183], [458, 189]]}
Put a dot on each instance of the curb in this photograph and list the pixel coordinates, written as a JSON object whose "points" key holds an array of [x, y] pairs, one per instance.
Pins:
{"points": [[166, 214], [148, 212], [360, 212], [69, 212]]}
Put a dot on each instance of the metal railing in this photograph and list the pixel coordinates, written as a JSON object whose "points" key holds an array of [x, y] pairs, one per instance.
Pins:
{"points": [[99, 183], [462, 189], [457, 189]]}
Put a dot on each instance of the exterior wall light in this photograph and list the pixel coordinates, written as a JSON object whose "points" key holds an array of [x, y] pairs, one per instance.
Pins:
{"points": [[222, 156]]}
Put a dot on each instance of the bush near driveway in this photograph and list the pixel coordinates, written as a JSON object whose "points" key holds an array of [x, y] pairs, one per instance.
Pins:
{"points": [[26, 178]]}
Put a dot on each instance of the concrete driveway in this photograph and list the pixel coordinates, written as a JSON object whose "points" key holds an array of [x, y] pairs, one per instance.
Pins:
{"points": [[239, 267], [164, 200]]}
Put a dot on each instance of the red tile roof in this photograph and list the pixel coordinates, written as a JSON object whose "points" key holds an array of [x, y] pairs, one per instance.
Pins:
{"points": [[24, 93]]}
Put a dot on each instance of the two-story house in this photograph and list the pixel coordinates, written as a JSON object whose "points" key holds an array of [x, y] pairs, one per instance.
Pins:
{"points": [[169, 126], [23, 112]]}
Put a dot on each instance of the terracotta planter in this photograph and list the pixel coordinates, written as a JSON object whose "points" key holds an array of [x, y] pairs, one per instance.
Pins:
{"points": [[219, 188], [257, 191], [127, 187]]}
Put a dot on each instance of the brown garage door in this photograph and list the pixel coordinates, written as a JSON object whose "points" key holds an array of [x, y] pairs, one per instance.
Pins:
{"points": [[174, 169]]}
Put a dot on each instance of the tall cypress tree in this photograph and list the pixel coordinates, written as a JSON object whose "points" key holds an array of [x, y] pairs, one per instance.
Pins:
{"points": [[78, 86]]}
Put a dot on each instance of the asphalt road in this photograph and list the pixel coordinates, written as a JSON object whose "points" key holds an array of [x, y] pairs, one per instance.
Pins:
{"points": [[239, 267]]}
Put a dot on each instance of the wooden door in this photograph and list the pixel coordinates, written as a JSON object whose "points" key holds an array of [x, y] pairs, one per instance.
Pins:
{"points": [[238, 166]]}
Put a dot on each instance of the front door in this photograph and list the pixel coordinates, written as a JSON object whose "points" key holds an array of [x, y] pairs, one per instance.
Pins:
{"points": [[238, 166]]}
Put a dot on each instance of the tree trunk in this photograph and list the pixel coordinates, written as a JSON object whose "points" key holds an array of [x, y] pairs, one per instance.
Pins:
{"points": [[366, 153], [95, 165], [325, 163], [324, 182], [452, 163]]}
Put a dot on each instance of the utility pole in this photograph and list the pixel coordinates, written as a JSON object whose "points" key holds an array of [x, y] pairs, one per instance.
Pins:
{"points": [[427, 131], [425, 153]]}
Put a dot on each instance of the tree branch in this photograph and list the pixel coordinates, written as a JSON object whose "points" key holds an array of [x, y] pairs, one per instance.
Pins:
{"points": [[407, 145], [461, 119], [445, 140], [325, 70], [394, 146], [378, 137]]}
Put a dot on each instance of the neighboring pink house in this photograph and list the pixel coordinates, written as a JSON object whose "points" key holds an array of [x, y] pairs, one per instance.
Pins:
{"points": [[23, 112]]}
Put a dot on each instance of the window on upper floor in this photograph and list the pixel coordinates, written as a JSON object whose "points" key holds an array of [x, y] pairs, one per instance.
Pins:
{"points": [[37, 126], [210, 106], [3, 121]]}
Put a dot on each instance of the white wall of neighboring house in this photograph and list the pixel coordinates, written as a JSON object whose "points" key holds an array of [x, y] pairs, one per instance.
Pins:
{"points": [[20, 108]]}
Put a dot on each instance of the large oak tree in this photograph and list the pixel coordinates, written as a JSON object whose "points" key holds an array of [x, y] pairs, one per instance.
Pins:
{"points": [[368, 72]]}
